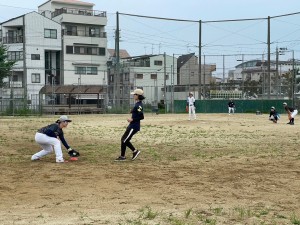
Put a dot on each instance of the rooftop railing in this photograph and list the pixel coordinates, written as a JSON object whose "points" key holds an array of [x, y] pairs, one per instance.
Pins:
{"points": [[74, 11]]}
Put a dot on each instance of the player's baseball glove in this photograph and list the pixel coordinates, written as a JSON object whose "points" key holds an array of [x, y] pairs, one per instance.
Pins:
{"points": [[290, 116], [73, 153]]}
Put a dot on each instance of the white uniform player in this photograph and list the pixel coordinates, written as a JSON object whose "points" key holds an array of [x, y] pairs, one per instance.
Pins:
{"points": [[191, 104]]}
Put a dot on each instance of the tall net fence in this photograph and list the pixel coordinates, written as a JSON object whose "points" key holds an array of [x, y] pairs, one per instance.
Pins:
{"points": [[244, 59], [251, 58]]}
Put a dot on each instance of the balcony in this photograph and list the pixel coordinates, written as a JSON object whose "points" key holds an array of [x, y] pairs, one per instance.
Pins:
{"points": [[83, 33], [12, 40], [74, 11]]}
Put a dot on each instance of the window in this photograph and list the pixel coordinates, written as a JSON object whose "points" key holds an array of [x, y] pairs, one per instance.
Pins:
{"points": [[94, 32], [15, 78], [50, 33], [139, 76], [101, 51], [69, 49], [167, 77], [91, 70], [158, 62], [35, 56], [71, 30], [15, 56], [82, 50], [79, 50], [35, 78], [154, 76], [86, 70], [80, 70]]}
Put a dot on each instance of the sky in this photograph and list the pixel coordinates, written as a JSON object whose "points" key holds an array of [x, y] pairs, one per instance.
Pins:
{"points": [[236, 40]]}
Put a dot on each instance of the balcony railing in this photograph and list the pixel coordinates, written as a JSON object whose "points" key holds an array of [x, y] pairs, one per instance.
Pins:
{"points": [[12, 40], [84, 12], [84, 33]]}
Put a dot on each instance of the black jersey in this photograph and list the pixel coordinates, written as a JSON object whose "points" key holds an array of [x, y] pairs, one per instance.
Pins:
{"points": [[231, 104], [273, 113], [137, 116], [53, 130], [289, 109]]}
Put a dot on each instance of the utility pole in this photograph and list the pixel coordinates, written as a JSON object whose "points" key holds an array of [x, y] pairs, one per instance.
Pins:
{"points": [[200, 52], [269, 58], [277, 74], [117, 65], [293, 80], [204, 77], [165, 83]]}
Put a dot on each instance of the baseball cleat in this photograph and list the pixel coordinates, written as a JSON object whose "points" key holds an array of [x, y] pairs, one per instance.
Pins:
{"points": [[135, 154], [120, 158]]}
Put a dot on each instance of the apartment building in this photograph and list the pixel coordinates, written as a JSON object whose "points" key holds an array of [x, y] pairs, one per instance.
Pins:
{"points": [[152, 73], [34, 42], [84, 40], [63, 44], [188, 70]]}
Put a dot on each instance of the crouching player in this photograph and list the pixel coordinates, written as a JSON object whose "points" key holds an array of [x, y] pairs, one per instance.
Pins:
{"points": [[274, 116], [292, 112]]}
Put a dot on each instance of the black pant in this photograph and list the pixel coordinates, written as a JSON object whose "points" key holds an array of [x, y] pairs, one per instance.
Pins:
{"points": [[125, 140]]}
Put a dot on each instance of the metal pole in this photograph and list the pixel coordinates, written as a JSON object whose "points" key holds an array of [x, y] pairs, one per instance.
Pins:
{"points": [[165, 84], [200, 53], [223, 80], [117, 52], [269, 58], [243, 77], [204, 77], [277, 74], [173, 74], [293, 80]]}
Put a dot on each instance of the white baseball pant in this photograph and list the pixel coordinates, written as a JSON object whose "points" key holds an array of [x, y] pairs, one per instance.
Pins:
{"points": [[230, 109], [294, 113], [192, 112], [48, 143]]}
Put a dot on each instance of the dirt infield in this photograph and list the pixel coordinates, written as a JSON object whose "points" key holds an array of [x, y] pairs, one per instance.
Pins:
{"points": [[219, 169]]}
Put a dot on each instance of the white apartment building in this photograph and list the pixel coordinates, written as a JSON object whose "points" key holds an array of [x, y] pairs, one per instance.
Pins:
{"points": [[84, 40], [32, 41], [145, 72], [63, 44]]}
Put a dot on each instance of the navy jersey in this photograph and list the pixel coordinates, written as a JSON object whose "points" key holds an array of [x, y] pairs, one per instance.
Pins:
{"points": [[231, 104], [53, 130], [137, 116], [273, 113], [289, 109]]}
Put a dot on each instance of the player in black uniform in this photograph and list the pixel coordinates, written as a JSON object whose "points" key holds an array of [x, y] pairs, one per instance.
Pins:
{"points": [[273, 115], [134, 125], [231, 106], [47, 138], [292, 112]]}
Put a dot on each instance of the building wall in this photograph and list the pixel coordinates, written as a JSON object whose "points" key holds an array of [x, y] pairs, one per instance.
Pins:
{"points": [[31, 26], [71, 61], [36, 43], [188, 73], [154, 88]]}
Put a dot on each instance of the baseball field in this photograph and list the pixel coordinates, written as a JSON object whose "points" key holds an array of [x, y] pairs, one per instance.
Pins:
{"points": [[218, 169]]}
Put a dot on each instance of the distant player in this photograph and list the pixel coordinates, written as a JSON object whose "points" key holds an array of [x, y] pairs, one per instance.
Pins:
{"points": [[274, 116], [190, 103], [231, 106], [49, 138], [134, 126], [292, 112]]}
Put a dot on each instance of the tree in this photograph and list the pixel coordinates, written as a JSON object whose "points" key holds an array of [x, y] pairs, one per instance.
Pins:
{"points": [[5, 64]]}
